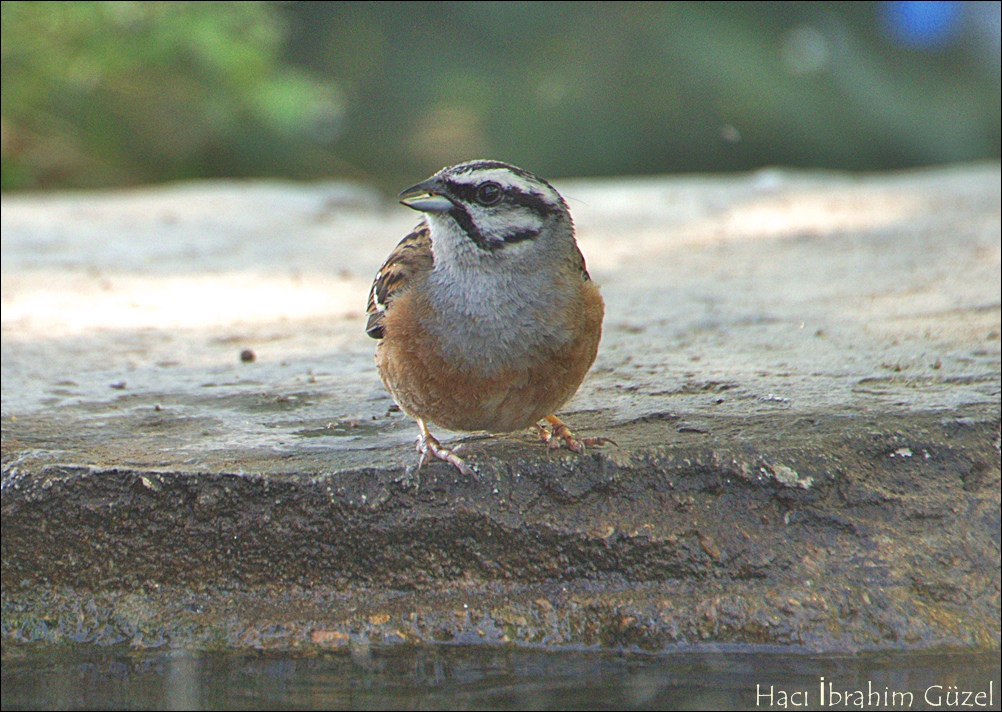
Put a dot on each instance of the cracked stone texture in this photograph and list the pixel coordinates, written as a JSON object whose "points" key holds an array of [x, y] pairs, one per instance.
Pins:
{"points": [[801, 371]]}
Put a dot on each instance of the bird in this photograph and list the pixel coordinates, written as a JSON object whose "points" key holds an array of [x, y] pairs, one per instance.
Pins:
{"points": [[486, 316]]}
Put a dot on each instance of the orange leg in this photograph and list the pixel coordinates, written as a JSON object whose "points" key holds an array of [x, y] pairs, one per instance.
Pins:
{"points": [[560, 433], [430, 447]]}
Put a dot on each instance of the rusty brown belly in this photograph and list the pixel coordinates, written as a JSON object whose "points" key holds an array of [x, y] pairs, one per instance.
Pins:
{"points": [[427, 385]]}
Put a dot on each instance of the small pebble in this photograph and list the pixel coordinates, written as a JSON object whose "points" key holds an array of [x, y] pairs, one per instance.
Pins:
{"points": [[247, 356]]}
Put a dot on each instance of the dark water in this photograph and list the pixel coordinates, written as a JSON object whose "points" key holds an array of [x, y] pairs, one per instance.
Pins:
{"points": [[488, 678]]}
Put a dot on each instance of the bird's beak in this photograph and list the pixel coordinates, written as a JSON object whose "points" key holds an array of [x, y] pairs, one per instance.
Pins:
{"points": [[427, 197]]}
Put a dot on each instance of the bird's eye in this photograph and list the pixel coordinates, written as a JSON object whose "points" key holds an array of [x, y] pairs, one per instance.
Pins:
{"points": [[489, 193]]}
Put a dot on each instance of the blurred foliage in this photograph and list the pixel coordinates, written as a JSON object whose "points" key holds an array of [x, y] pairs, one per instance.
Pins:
{"points": [[117, 93], [120, 93]]}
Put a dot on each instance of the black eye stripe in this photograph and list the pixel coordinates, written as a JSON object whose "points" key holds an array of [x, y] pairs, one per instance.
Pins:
{"points": [[532, 201], [467, 193], [493, 194]]}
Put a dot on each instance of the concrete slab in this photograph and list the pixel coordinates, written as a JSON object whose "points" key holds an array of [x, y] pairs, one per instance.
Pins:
{"points": [[802, 372]]}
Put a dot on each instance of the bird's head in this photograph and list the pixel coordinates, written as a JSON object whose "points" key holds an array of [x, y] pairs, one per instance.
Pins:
{"points": [[493, 207]]}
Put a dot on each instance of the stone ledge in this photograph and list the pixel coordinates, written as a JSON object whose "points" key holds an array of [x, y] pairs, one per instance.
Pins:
{"points": [[802, 372], [695, 539]]}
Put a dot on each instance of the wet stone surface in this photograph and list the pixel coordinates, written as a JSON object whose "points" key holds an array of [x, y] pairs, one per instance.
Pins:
{"points": [[801, 371]]}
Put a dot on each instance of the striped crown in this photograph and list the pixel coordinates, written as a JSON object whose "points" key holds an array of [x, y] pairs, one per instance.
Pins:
{"points": [[494, 203]]}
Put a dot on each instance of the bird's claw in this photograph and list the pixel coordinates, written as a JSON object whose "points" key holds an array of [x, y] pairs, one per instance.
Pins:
{"points": [[430, 447], [559, 434]]}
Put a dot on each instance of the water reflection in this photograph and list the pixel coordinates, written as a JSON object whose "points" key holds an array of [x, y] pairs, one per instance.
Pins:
{"points": [[478, 677]]}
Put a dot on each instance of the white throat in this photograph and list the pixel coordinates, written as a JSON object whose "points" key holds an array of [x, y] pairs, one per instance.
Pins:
{"points": [[495, 309]]}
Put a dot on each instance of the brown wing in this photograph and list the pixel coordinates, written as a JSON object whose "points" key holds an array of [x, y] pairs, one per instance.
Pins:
{"points": [[409, 258]]}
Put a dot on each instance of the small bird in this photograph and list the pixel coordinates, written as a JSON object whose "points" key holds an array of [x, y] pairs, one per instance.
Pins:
{"points": [[486, 315]]}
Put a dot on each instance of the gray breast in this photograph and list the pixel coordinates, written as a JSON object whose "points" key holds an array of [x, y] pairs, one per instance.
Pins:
{"points": [[496, 319]]}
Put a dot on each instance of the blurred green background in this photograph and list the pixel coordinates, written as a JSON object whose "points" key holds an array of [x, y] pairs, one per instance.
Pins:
{"points": [[110, 94]]}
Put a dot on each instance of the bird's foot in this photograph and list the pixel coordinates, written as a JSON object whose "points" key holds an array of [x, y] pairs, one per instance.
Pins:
{"points": [[558, 434], [430, 447]]}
